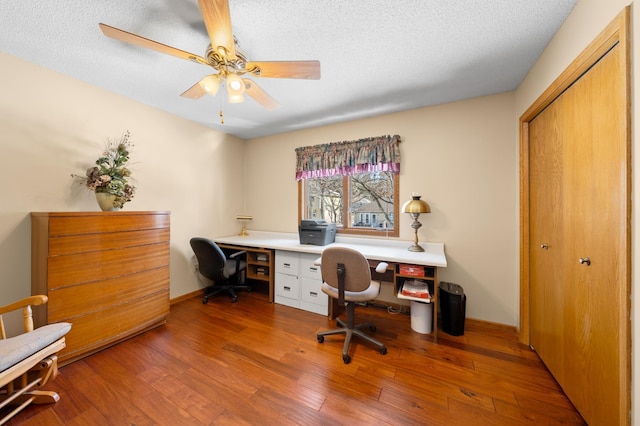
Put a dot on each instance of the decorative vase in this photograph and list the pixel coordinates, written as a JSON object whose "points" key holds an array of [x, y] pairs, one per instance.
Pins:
{"points": [[105, 201]]}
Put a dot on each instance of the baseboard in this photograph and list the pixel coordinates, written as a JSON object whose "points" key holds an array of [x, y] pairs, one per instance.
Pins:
{"points": [[187, 296], [489, 324]]}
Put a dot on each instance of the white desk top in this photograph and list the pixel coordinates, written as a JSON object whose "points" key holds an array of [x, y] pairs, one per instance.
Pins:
{"points": [[374, 249]]}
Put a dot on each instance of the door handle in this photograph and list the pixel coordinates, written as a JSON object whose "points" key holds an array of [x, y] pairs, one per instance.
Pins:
{"points": [[585, 261], [544, 246]]}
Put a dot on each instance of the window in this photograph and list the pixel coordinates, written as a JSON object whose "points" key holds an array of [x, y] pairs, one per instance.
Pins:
{"points": [[353, 184], [364, 203]]}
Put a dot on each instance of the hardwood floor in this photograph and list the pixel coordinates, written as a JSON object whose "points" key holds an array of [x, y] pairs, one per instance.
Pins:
{"points": [[255, 363]]}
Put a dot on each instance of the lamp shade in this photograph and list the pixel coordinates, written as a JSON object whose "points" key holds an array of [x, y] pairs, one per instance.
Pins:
{"points": [[211, 84], [235, 99], [235, 85], [416, 205]]}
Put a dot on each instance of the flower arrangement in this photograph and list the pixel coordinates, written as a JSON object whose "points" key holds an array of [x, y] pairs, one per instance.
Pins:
{"points": [[110, 174]]}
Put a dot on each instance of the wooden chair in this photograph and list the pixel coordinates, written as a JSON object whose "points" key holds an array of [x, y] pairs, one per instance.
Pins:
{"points": [[28, 361]]}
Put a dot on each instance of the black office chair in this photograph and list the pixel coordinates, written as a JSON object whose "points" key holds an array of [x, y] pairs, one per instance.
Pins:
{"points": [[226, 273], [347, 277]]}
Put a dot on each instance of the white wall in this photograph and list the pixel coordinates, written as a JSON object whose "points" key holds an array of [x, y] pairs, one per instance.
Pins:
{"points": [[461, 157], [584, 24], [52, 126]]}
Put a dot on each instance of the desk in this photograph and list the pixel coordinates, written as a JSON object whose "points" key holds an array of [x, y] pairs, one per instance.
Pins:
{"points": [[376, 250]]}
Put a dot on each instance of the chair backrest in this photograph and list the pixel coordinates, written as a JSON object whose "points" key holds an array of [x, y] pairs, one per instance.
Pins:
{"points": [[357, 271], [211, 258]]}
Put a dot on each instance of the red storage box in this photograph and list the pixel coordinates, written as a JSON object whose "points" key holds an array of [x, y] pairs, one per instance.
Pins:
{"points": [[412, 270]]}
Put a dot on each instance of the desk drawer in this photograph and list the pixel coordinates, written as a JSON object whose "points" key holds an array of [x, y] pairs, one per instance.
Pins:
{"points": [[308, 269], [287, 262], [311, 292], [287, 286]]}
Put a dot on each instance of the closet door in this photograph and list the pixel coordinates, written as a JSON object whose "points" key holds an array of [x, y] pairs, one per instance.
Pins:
{"points": [[546, 229], [596, 232], [579, 241]]}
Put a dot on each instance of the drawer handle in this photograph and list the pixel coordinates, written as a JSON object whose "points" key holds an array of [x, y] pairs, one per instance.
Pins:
{"points": [[287, 288], [313, 269], [313, 293], [287, 265]]}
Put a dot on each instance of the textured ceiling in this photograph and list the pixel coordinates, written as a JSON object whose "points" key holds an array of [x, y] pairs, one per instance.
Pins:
{"points": [[376, 56]]}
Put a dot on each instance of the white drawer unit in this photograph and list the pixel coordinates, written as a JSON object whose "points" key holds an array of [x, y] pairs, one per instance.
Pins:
{"points": [[298, 282]]}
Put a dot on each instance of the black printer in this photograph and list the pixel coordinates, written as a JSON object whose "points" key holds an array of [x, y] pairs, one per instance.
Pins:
{"points": [[317, 232]]}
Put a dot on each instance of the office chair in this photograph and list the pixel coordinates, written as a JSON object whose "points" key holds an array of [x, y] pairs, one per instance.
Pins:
{"points": [[346, 277], [214, 265]]}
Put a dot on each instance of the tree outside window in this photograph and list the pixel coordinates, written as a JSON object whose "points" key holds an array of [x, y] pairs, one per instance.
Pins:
{"points": [[364, 203]]}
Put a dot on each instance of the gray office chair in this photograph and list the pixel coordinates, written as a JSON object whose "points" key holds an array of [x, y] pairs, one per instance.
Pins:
{"points": [[225, 272], [346, 277]]}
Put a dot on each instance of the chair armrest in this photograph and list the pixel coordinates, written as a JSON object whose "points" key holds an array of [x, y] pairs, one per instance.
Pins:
{"points": [[233, 256], [27, 313], [318, 262], [236, 254], [27, 301], [382, 267]]}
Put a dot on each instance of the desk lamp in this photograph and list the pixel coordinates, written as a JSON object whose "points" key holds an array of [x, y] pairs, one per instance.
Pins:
{"points": [[244, 219], [414, 207]]}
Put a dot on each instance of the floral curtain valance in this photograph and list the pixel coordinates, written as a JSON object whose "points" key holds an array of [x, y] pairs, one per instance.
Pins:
{"points": [[377, 154]]}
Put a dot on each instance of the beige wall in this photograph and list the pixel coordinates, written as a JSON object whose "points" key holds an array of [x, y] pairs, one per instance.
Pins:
{"points": [[461, 157], [52, 126], [466, 172], [586, 21]]}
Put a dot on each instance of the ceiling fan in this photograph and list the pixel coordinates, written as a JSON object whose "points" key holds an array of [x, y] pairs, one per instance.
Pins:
{"points": [[225, 58]]}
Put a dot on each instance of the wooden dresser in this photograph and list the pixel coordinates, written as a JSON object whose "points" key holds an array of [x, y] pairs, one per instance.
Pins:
{"points": [[107, 273]]}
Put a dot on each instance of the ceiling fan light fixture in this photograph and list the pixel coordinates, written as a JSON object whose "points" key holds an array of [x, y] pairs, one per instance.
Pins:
{"points": [[211, 84], [235, 86], [236, 99]]}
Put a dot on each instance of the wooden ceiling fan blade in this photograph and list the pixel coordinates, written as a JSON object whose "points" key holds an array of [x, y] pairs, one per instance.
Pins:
{"points": [[287, 69], [217, 19], [208, 84], [194, 92], [128, 37], [259, 95]]}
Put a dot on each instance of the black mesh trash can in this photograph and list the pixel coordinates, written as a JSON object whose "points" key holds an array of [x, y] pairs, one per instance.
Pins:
{"points": [[453, 306]]}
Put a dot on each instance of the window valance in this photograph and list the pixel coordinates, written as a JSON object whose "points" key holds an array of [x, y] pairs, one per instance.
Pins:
{"points": [[376, 154]]}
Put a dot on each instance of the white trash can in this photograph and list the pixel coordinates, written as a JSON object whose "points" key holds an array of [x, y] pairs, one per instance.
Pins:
{"points": [[421, 317]]}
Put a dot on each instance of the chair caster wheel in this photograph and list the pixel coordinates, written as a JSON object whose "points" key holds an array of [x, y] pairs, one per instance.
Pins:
{"points": [[204, 301], [234, 299], [346, 359], [372, 328], [320, 339], [383, 350]]}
